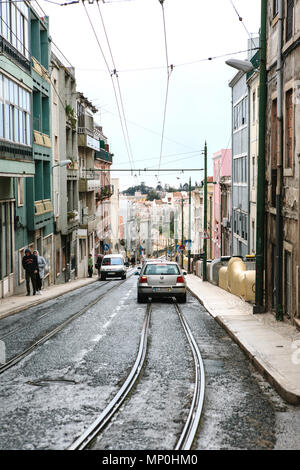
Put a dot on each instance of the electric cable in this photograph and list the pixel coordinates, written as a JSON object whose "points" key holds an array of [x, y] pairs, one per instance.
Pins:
{"points": [[242, 21], [118, 82], [169, 71], [114, 88]]}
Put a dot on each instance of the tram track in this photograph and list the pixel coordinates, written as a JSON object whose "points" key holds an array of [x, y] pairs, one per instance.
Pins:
{"points": [[18, 357], [188, 433]]}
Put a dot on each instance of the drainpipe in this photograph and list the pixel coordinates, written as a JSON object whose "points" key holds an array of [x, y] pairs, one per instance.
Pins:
{"points": [[279, 219], [260, 201]]}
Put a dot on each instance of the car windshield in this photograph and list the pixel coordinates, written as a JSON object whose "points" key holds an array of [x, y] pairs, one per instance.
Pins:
{"points": [[111, 261], [165, 269]]}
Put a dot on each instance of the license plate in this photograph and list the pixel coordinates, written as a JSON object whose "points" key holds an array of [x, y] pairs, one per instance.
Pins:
{"points": [[162, 289]]}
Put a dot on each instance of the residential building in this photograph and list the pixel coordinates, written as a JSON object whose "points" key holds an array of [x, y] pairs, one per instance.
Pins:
{"points": [[38, 189], [225, 188], [65, 177], [102, 163], [221, 169], [240, 165], [253, 90], [88, 181], [282, 160], [17, 164]]}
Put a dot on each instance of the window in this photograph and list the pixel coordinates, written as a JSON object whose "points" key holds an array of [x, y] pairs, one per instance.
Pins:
{"points": [[14, 25], [161, 269], [21, 269], [273, 187], [287, 282], [289, 19], [57, 262], [253, 172], [274, 138], [254, 107], [20, 191], [240, 114], [14, 112], [275, 8], [253, 236], [289, 129]]}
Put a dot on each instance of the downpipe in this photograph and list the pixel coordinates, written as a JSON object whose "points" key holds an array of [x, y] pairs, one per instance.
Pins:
{"points": [[279, 185]]}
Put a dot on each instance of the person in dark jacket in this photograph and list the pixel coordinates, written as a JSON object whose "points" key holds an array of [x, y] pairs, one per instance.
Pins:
{"points": [[30, 266], [98, 263]]}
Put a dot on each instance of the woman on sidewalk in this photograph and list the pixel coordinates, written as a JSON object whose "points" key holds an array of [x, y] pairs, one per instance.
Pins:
{"points": [[41, 272]]}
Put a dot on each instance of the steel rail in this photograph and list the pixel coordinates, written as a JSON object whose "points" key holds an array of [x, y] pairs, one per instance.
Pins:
{"points": [[17, 330], [187, 436], [97, 426], [14, 360]]}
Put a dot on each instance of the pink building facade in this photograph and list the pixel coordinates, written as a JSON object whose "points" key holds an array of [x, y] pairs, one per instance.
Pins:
{"points": [[221, 171]]}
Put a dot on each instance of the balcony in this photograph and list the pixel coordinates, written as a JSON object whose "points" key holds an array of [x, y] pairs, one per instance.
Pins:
{"points": [[105, 192], [41, 139], [103, 155], [85, 140], [88, 223], [72, 170], [42, 216], [87, 185]]}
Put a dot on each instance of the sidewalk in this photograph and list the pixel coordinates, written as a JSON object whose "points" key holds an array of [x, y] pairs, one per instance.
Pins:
{"points": [[17, 303], [270, 345]]}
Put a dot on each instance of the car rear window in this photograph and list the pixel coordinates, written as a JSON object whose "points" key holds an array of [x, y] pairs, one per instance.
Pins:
{"points": [[157, 269], [111, 261]]}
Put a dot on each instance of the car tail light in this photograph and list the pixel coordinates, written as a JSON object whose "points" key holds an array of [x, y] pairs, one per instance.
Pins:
{"points": [[143, 279], [180, 280]]}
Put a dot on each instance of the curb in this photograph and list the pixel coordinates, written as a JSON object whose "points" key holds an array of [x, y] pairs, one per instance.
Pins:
{"points": [[261, 365], [41, 300]]}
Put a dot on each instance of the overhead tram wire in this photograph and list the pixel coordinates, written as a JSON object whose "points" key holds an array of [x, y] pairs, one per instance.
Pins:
{"points": [[169, 71], [118, 82], [242, 21], [145, 69], [114, 88]]}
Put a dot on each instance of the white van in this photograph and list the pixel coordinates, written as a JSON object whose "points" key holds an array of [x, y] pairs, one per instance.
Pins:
{"points": [[113, 266]]}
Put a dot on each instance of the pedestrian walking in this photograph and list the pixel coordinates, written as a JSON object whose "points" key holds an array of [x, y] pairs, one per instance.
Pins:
{"points": [[30, 265], [98, 263], [41, 272], [90, 265]]}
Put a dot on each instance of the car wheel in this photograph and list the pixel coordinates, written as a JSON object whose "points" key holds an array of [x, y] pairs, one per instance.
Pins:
{"points": [[181, 299], [141, 299], [124, 276], [103, 277]]}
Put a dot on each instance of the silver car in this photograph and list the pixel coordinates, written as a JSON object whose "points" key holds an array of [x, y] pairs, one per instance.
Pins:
{"points": [[161, 280]]}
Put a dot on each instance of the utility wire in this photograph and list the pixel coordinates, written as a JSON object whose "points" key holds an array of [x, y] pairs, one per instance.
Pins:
{"points": [[115, 74], [241, 20], [169, 71], [113, 84]]}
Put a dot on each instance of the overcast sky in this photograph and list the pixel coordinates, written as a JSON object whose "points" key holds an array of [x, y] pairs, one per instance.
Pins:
{"points": [[199, 99]]}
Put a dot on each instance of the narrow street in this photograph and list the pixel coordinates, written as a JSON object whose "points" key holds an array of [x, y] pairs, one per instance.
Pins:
{"points": [[52, 395]]}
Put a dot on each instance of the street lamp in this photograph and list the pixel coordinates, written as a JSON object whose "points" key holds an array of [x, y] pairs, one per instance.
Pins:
{"points": [[243, 65], [63, 163]]}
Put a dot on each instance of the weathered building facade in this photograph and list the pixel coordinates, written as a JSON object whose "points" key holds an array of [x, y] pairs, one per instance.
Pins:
{"points": [[64, 177], [221, 168], [16, 149], [282, 158], [240, 165]]}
